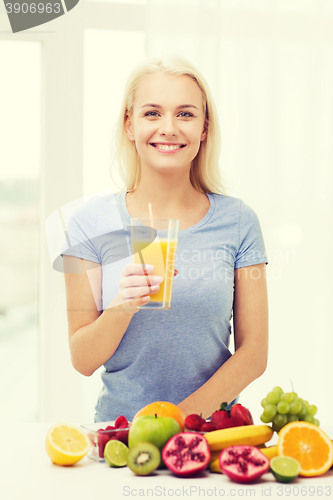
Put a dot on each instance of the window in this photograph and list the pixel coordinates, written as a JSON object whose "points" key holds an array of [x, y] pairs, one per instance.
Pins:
{"points": [[19, 228]]}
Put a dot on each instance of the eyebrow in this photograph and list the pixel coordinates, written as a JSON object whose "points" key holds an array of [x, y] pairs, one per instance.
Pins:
{"points": [[182, 106]]}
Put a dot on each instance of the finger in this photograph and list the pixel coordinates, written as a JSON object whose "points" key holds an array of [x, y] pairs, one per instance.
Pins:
{"points": [[133, 305], [135, 292], [137, 269], [135, 281]]}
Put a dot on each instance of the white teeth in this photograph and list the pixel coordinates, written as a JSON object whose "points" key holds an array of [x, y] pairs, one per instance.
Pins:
{"points": [[167, 147]]}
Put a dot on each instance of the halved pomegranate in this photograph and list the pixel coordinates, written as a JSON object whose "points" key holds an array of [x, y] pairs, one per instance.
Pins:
{"points": [[186, 454], [243, 464]]}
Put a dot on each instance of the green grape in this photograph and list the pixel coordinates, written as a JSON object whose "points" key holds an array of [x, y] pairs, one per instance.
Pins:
{"points": [[288, 397], [309, 418], [316, 421], [295, 407], [278, 390], [270, 411], [306, 404], [264, 402], [283, 407], [295, 395], [276, 428], [265, 419], [301, 401], [292, 418], [273, 398], [280, 420], [301, 414], [312, 410]]}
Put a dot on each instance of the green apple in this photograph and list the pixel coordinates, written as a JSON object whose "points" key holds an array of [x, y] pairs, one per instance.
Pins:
{"points": [[152, 429]]}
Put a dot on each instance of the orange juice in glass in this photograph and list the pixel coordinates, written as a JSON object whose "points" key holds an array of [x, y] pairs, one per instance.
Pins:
{"points": [[154, 241]]}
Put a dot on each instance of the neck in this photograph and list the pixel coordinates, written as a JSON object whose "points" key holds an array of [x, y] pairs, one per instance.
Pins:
{"points": [[168, 193]]}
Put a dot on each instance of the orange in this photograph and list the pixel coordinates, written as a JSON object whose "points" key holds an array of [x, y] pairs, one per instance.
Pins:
{"points": [[163, 409], [309, 445]]}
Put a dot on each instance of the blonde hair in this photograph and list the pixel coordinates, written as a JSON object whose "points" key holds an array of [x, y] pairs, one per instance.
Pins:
{"points": [[205, 174]]}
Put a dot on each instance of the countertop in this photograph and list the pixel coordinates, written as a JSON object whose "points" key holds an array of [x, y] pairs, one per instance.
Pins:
{"points": [[27, 473]]}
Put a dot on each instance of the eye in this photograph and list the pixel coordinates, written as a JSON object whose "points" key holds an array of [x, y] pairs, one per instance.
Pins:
{"points": [[151, 113], [185, 114]]}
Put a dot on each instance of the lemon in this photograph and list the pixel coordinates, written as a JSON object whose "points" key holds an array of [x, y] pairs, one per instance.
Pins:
{"points": [[115, 453], [285, 469], [66, 444]]}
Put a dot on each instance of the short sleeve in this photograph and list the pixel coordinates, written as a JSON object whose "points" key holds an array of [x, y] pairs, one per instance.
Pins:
{"points": [[78, 242], [251, 249]]}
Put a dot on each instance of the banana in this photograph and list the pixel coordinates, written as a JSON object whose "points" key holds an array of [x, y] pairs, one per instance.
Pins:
{"points": [[214, 454], [270, 451], [246, 434], [214, 465]]}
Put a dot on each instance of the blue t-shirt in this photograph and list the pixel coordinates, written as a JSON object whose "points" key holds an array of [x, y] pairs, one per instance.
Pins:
{"points": [[167, 355]]}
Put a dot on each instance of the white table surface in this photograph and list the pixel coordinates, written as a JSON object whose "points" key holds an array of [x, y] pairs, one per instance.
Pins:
{"points": [[26, 473]]}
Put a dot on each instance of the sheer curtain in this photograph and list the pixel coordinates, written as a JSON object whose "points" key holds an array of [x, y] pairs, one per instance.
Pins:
{"points": [[270, 67]]}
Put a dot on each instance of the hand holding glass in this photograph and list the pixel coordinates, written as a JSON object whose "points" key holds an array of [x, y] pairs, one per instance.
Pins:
{"points": [[156, 246]]}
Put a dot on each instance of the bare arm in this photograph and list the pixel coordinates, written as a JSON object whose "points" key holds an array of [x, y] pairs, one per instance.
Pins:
{"points": [[250, 315], [95, 336]]}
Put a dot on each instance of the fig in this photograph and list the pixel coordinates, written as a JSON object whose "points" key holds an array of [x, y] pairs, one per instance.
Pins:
{"points": [[186, 454], [243, 464]]}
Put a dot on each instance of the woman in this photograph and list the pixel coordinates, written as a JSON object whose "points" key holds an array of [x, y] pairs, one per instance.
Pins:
{"points": [[168, 147]]}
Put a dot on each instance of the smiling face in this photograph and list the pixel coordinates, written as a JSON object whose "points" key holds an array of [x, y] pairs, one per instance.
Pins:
{"points": [[167, 122]]}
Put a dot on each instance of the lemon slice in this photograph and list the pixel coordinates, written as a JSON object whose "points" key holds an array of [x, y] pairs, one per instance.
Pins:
{"points": [[66, 444], [285, 469], [115, 453]]}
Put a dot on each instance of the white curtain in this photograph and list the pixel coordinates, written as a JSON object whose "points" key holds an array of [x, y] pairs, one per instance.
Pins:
{"points": [[270, 67]]}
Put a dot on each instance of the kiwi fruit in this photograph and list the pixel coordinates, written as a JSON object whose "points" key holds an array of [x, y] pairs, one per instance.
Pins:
{"points": [[143, 458]]}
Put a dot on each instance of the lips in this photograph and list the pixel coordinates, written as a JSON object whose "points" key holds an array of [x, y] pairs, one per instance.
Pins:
{"points": [[167, 147]]}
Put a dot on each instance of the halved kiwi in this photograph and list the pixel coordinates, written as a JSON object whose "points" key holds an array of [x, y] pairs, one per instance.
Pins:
{"points": [[143, 458]]}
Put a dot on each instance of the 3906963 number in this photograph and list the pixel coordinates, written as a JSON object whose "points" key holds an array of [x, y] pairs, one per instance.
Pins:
{"points": [[32, 8], [304, 491]]}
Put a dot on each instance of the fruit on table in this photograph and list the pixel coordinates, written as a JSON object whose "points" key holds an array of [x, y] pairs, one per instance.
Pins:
{"points": [[194, 422], [152, 429], [115, 453], [163, 409], [220, 419], [245, 435], [118, 431], [66, 444], [186, 454], [143, 458], [243, 464], [270, 451], [214, 463], [309, 445], [237, 416], [285, 469], [280, 408]]}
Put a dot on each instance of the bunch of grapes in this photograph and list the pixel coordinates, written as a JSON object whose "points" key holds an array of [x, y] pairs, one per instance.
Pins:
{"points": [[280, 408]]}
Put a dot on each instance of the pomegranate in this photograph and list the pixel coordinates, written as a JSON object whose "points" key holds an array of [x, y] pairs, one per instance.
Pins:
{"points": [[186, 454], [243, 464]]}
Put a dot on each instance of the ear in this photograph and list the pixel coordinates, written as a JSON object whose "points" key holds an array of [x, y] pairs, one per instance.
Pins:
{"points": [[129, 128], [203, 135]]}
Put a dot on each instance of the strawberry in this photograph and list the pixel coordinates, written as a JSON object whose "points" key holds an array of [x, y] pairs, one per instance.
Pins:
{"points": [[243, 413], [223, 418], [194, 422], [207, 427]]}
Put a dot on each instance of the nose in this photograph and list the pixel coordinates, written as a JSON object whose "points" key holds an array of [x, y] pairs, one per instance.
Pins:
{"points": [[168, 126]]}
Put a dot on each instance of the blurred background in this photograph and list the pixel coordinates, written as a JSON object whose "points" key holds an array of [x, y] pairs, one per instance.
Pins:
{"points": [[269, 64]]}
